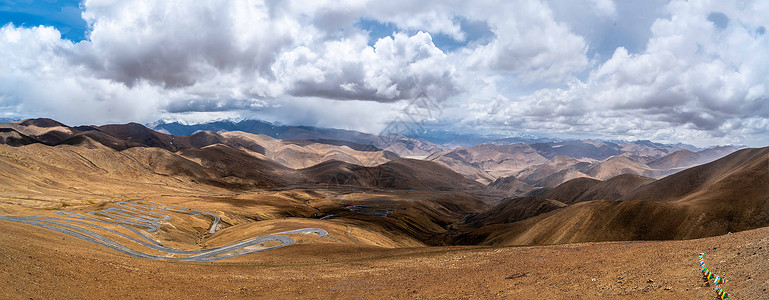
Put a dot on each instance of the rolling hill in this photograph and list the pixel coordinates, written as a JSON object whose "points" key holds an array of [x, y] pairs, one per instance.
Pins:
{"points": [[728, 195], [487, 162]]}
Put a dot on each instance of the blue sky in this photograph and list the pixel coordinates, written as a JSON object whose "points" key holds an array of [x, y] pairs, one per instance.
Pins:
{"points": [[476, 33], [666, 71], [63, 15]]}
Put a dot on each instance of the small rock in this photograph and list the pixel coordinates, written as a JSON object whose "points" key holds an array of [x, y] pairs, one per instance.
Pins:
{"points": [[516, 275], [650, 281]]}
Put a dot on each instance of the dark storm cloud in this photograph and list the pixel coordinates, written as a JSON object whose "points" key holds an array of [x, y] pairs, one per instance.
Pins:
{"points": [[180, 47]]}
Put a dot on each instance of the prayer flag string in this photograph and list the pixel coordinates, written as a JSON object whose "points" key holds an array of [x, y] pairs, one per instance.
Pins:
{"points": [[717, 280]]}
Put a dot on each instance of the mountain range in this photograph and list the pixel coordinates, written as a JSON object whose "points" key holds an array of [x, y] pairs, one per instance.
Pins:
{"points": [[375, 205], [530, 185]]}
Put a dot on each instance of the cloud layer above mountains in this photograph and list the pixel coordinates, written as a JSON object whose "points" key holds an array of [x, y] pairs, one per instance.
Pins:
{"points": [[694, 72]]}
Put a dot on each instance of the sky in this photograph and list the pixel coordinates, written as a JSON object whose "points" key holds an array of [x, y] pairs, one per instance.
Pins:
{"points": [[680, 71]]}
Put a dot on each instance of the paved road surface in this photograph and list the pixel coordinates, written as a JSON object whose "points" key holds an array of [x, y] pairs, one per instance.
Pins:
{"points": [[147, 215]]}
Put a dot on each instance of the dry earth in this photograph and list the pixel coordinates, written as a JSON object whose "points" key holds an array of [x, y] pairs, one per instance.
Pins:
{"points": [[41, 264]]}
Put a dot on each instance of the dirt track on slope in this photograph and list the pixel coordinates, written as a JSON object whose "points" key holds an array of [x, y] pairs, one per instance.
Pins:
{"points": [[38, 263]]}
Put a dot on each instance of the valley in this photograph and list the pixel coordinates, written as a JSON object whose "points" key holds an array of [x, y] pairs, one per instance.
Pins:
{"points": [[260, 215]]}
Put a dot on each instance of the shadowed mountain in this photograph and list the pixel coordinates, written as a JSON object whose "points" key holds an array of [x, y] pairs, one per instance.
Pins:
{"points": [[351, 145], [413, 148], [554, 165], [647, 148], [44, 130], [400, 145], [242, 169], [511, 185], [736, 173], [585, 189], [291, 153], [569, 191], [675, 160], [728, 195], [397, 174], [42, 122], [548, 175], [375, 198], [597, 150], [11, 137], [493, 160], [300, 154], [614, 188], [218, 165], [682, 159], [618, 165], [513, 210], [563, 176]]}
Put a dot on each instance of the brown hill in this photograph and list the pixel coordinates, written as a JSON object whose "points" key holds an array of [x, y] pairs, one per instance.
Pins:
{"points": [[588, 189], [412, 148], [44, 130], [683, 159], [727, 195], [291, 153], [717, 152], [554, 165], [242, 168], [561, 177], [397, 174], [487, 162], [512, 185], [513, 210], [680, 158], [462, 167], [325, 268], [42, 122], [614, 188], [569, 191], [737, 176], [44, 175], [618, 165], [298, 154], [584, 149], [232, 160], [11, 137]]}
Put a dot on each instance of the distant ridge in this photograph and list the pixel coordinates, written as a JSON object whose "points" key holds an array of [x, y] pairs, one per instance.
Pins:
{"points": [[401, 145]]}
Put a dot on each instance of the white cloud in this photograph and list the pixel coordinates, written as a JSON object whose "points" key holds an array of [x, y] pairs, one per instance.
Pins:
{"points": [[149, 54], [395, 68], [605, 7], [530, 44], [694, 82], [38, 80], [544, 69]]}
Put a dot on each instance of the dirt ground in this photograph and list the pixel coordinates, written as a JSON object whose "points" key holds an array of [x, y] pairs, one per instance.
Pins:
{"points": [[41, 264]]}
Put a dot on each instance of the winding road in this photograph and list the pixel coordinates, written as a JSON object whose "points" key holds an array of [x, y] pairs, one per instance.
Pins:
{"points": [[148, 215]]}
